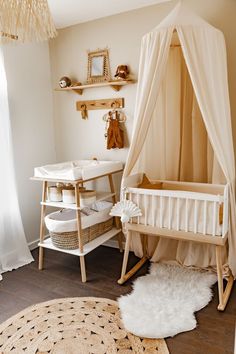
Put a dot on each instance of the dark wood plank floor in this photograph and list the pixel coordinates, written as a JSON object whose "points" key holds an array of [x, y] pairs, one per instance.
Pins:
{"points": [[61, 278]]}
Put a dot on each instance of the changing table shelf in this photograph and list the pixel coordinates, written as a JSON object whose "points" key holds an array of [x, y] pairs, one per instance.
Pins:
{"points": [[88, 247], [99, 197]]}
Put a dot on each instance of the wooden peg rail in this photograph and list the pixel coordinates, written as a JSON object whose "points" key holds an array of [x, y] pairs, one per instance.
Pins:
{"points": [[110, 103]]}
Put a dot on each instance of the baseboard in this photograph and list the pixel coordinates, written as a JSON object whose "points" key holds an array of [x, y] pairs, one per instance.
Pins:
{"points": [[33, 244], [110, 243]]}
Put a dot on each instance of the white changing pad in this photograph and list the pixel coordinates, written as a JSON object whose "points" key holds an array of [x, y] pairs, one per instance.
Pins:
{"points": [[78, 169]]}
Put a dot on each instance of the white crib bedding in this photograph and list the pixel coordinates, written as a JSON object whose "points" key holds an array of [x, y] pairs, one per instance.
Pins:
{"points": [[152, 217]]}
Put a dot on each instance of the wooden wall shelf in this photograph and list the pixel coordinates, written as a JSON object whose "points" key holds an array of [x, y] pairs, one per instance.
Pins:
{"points": [[115, 85]]}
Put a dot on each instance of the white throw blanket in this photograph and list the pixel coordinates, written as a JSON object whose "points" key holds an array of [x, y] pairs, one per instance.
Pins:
{"points": [[163, 303]]}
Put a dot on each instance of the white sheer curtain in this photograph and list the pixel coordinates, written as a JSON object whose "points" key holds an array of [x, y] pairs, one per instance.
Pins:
{"points": [[14, 251]]}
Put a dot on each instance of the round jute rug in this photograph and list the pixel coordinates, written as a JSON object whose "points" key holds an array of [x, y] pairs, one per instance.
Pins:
{"points": [[73, 326]]}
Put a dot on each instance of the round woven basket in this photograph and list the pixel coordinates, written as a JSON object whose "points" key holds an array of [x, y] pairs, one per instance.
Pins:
{"points": [[70, 241]]}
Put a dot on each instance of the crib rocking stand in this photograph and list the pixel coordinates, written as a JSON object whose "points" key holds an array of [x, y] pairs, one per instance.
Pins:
{"points": [[146, 230]]}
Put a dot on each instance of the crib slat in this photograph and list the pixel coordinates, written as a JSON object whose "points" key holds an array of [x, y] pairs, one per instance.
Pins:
{"points": [[138, 203], [145, 209], [169, 212], [195, 215], [161, 211], [177, 215], [186, 215], [153, 210], [214, 220], [204, 217]]}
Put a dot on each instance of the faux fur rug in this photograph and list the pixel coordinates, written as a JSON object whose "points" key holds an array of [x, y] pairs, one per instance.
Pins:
{"points": [[163, 303]]}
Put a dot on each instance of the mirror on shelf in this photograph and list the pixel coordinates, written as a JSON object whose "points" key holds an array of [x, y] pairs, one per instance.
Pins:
{"points": [[98, 66]]}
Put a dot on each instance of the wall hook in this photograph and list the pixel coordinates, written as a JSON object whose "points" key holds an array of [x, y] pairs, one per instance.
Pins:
{"points": [[84, 112], [85, 106]]}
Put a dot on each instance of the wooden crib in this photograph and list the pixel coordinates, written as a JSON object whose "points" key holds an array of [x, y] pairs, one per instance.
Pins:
{"points": [[182, 211]]}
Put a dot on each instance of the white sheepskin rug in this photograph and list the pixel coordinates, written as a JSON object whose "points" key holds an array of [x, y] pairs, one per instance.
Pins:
{"points": [[162, 303]]}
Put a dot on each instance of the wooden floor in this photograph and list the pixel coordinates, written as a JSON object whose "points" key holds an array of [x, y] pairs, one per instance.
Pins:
{"points": [[61, 278]]}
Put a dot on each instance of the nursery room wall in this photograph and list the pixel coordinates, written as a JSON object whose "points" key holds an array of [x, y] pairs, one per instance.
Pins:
{"points": [[77, 138], [30, 103]]}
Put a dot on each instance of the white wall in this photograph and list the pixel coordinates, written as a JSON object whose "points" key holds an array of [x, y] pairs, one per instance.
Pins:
{"points": [[30, 98]]}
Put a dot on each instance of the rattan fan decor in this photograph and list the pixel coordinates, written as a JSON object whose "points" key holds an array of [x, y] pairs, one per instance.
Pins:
{"points": [[25, 20]]}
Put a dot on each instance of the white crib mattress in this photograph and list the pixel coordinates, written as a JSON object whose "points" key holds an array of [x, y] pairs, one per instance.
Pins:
{"points": [[78, 169]]}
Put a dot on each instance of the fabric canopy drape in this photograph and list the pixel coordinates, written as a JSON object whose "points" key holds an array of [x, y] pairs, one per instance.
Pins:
{"points": [[14, 251], [204, 54]]}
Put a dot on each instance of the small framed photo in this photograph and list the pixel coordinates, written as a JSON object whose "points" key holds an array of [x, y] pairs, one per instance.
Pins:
{"points": [[98, 66]]}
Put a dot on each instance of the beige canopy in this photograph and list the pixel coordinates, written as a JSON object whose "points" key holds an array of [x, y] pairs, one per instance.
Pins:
{"points": [[182, 129]]}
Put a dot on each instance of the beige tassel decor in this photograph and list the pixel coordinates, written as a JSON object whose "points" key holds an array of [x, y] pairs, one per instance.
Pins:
{"points": [[25, 20]]}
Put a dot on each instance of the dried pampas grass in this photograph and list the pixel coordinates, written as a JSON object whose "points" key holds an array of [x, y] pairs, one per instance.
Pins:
{"points": [[25, 20]]}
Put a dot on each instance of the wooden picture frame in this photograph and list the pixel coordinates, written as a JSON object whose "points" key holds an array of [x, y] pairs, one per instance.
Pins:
{"points": [[98, 66]]}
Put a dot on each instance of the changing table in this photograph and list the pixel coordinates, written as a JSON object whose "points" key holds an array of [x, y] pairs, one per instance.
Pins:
{"points": [[105, 169]]}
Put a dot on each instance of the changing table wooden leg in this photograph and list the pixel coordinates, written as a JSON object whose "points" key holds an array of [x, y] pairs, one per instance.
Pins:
{"points": [[42, 225], [223, 294], [78, 218], [80, 238], [82, 269], [40, 258]]}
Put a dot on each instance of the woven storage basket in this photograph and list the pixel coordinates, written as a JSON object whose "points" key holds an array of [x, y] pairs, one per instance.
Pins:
{"points": [[69, 240]]}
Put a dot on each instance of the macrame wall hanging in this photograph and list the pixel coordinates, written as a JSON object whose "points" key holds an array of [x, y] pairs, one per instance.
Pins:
{"points": [[25, 20]]}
